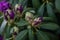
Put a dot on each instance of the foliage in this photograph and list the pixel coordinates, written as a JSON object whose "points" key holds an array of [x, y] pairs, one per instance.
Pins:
{"points": [[32, 20]]}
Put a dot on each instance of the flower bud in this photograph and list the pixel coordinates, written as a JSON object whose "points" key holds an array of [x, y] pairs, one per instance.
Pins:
{"points": [[19, 9], [29, 16], [16, 29], [4, 5], [9, 16], [1, 37], [37, 21]]}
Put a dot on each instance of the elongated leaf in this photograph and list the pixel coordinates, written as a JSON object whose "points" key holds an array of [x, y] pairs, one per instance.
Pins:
{"points": [[21, 35], [21, 23], [1, 20], [24, 3], [11, 30], [36, 3], [2, 27], [49, 19], [11, 1], [58, 31], [50, 26], [57, 4], [31, 36], [41, 10], [15, 2], [1, 17], [28, 10], [20, 1], [41, 35], [8, 31], [50, 11], [51, 36]]}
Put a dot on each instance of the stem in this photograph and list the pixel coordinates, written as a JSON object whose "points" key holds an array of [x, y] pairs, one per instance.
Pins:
{"points": [[47, 1], [35, 28]]}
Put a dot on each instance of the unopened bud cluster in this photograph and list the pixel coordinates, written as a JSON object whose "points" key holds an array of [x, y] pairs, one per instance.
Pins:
{"points": [[7, 10], [33, 21]]}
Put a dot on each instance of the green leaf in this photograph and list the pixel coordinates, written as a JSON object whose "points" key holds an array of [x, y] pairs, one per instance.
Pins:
{"points": [[11, 1], [41, 10], [21, 23], [51, 36], [8, 31], [20, 1], [41, 35], [21, 35], [49, 19], [50, 26], [1, 17], [50, 10], [36, 3], [3, 25], [24, 3], [15, 2], [11, 30], [1, 14], [57, 5], [58, 31], [28, 10], [31, 36]]}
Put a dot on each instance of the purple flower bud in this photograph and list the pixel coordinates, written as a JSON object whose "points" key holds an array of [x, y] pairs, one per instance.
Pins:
{"points": [[1, 37], [4, 5], [19, 8], [40, 18], [9, 13], [37, 21]]}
